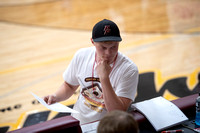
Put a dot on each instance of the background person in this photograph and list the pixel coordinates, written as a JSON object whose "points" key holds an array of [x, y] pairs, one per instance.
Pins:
{"points": [[118, 122]]}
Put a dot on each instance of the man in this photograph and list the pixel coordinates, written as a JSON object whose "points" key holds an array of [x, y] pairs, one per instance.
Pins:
{"points": [[107, 79]]}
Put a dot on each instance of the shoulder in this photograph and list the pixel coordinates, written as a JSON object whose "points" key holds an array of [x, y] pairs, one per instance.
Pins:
{"points": [[127, 62], [126, 67]]}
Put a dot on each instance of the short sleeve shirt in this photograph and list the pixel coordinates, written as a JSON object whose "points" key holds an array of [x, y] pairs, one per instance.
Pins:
{"points": [[90, 104]]}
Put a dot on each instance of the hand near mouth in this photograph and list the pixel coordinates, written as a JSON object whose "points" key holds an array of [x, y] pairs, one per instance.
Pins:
{"points": [[103, 68]]}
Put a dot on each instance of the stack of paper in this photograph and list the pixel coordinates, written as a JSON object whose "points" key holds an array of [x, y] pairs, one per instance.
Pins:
{"points": [[160, 112]]}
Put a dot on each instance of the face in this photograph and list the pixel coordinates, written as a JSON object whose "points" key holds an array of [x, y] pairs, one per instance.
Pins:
{"points": [[106, 50]]}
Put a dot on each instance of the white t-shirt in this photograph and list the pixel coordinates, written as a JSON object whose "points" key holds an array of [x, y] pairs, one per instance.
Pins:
{"points": [[90, 104]]}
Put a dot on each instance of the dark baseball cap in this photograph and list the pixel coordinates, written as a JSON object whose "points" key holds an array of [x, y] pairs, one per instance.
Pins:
{"points": [[106, 30]]}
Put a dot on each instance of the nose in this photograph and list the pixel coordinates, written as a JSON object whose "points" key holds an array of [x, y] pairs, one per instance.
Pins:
{"points": [[108, 52]]}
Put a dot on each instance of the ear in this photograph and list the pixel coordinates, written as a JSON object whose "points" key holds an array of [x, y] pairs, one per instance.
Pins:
{"points": [[92, 41]]}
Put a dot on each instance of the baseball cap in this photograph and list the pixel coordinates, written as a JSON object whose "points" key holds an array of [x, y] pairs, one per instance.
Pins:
{"points": [[106, 30]]}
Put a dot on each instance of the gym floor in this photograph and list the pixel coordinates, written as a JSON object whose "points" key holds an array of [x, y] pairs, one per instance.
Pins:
{"points": [[38, 39]]}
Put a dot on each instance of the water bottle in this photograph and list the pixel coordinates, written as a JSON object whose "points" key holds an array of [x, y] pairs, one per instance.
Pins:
{"points": [[197, 119]]}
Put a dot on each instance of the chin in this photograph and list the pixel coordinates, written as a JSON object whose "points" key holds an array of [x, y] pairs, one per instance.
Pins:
{"points": [[110, 62]]}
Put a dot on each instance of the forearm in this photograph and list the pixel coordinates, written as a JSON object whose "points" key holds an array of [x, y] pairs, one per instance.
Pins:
{"points": [[111, 100], [65, 91]]}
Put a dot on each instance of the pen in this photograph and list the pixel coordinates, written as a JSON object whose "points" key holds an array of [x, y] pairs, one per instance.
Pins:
{"points": [[173, 131]]}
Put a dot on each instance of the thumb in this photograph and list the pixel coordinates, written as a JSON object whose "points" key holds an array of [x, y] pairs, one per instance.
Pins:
{"points": [[50, 100]]}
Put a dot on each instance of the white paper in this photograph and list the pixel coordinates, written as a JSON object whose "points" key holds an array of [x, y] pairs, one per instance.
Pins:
{"points": [[90, 127], [56, 106], [161, 113]]}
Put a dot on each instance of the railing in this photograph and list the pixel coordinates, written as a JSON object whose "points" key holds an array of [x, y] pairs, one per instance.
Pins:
{"points": [[70, 124]]}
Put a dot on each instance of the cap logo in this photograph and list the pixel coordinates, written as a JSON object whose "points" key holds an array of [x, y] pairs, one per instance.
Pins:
{"points": [[107, 29]]}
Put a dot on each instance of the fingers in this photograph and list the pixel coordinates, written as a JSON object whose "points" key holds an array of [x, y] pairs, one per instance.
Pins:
{"points": [[46, 99], [105, 62], [50, 99]]}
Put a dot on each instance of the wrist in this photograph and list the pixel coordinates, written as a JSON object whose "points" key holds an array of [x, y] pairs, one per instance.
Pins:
{"points": [[55, 95], [104, 77]]}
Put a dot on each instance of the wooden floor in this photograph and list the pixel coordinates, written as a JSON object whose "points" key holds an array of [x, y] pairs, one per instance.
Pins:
{"points": [[38, 38]]}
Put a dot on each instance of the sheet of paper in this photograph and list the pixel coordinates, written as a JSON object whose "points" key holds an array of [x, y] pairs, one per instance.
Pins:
{"points": [[56, 106], [90, 127], [160, 112]]}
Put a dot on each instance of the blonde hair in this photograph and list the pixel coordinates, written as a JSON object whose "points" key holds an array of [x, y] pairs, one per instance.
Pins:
{"points": [[118, 122]]}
